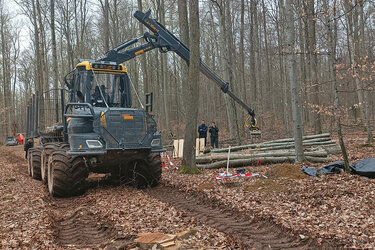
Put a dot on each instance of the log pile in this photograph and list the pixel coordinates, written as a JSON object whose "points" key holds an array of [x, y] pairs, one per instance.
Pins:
{"points": [[317, 149]]}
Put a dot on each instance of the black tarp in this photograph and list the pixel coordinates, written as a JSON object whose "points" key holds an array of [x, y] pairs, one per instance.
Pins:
{"points": [[310, 171], [365, 167], [332, 168]]}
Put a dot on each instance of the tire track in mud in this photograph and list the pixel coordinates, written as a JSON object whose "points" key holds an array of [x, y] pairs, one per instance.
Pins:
{"points": [[250, 233], [73, 220], [77, 225], [83, 228], [74, 223]]}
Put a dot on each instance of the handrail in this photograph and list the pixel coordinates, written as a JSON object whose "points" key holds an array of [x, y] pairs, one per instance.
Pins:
{"points": [[80, 104]]}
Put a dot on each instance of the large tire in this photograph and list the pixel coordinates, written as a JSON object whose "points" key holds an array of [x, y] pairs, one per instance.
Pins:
{"points": [[47, 151], [147, 173], [35, 155], [66, 174], [29, 162]]}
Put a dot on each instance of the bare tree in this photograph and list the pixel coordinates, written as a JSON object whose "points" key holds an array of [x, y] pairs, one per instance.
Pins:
{"points": [[331, 42], [188, 160], [183, 23], [366, 100], [54, 54], [106, 25], [6, 74], [226, 62], [143, 58], [291, 45], [313, 63]]}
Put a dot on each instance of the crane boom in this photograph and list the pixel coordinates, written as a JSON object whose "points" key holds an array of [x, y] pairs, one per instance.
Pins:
{"points": [[163, 39]]}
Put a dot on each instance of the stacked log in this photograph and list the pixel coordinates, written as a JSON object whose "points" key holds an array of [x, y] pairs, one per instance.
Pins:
{"points": [[317, 149]]}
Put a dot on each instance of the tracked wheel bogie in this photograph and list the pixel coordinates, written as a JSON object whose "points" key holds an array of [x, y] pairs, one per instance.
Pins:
{"points": [[35, 163], [66, 174]]}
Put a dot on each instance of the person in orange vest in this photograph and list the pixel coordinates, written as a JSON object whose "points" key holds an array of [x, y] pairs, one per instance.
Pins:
{"points": [[21, 138]]}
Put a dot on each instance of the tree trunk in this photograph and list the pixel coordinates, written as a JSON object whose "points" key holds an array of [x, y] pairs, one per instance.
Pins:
{"points": [[242, 53], [188, 160], [39, 59], [283, 83], [106, 26], [143, 58], [54, 57], [313, 63], [226, 64], [354, 53], [305, 109], [366, 99], [252, 58], [164, 70], [268, 63], [184, 36], [68, 35], [231, 108], [290, 33], [44, 99], [6, 78], [331, 42]]}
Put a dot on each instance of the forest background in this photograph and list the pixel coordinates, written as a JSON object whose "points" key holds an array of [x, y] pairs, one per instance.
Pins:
{"points": [[243, 41]]}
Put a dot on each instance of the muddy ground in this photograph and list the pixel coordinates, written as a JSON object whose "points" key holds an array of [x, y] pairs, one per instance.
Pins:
{"points": [[287, 210]]}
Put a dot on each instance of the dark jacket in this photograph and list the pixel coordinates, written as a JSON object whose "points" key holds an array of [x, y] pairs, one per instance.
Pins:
{"points": [[28, 145], [214, 131], [202, 130]]}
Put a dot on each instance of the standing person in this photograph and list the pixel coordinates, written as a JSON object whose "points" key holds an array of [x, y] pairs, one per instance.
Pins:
{"points": [[202, 130], [20, 139], [29, 144], [214, 135]]}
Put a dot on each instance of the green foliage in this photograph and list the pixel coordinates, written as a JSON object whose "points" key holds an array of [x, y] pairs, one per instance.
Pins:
{"points": [[10, 179], [188, 170], [7, 197], [193, 231]]}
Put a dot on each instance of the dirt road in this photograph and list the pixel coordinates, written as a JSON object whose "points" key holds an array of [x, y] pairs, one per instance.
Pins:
{"points": [[107, 216]]}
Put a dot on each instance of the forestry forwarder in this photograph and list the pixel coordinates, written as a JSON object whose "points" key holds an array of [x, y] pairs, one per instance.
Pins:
{"points": [[100, 131]]}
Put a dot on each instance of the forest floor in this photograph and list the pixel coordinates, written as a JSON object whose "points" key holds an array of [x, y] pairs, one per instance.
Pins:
{"points": [[287, 210]]}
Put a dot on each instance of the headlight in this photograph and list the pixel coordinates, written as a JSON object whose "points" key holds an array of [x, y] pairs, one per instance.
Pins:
{"points": [[94, 144], [155, 142]]}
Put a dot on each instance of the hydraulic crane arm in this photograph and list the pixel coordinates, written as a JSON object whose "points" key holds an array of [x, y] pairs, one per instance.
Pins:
{"points": [[164, 40]]}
